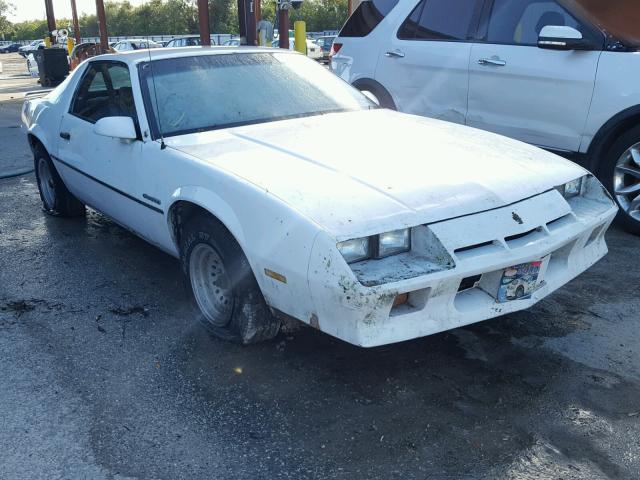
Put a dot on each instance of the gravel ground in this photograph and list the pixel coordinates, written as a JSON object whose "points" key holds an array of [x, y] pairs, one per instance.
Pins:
{"points": [[106, 375]]}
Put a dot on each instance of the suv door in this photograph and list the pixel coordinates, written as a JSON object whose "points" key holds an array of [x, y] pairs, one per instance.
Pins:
{"points": [[425, 64], [519, 90]]}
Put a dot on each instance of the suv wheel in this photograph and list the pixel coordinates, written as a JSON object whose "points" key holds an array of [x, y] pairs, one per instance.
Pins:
{"points": [[378, 91], [622, 178]]}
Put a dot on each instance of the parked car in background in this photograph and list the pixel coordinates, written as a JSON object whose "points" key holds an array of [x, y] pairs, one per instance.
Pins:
{"points": [[25, 50], [313, 49], [325, 45], [234, 42], [186, 41], [135, 44], [9, 48], [562, 75], [398, 227]]}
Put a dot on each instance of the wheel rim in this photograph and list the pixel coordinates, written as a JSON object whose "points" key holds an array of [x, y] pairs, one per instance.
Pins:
{"points": [[626, 181], [211, 284], [47, 186]]}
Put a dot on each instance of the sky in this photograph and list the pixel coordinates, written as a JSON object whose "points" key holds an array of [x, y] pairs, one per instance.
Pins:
{"points": [[34, 9]]}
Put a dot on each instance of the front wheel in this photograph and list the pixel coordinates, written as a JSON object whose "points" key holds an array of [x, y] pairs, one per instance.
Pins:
{"points": [[223, 284], [621, 175]]}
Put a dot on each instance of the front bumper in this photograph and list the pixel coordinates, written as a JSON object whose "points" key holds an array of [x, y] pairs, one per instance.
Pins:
{"points": [[568, 236]]}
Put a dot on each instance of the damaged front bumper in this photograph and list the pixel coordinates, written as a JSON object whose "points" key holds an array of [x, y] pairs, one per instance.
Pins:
{"points": [[458, 286]]}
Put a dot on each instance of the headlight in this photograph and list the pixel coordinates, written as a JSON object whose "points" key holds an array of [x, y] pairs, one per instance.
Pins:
{"points": [[355, 250], [377, 246], [394, 242], [571, 189]]}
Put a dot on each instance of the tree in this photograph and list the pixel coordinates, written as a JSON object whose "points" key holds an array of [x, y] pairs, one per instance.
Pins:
{"points": [[5, 9]]}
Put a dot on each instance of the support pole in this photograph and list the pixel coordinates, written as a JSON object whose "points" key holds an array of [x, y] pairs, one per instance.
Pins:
{"points": [[51, 19], [257, 6], [203, 16], [251, 22], [76, 24], [283, 28], [102, 26]]}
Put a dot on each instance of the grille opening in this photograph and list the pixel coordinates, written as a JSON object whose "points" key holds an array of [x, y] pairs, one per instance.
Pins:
{"points": [[518, 236], [472, 247], [525, 238], [560, 222], [594, 235], [469, 283]]}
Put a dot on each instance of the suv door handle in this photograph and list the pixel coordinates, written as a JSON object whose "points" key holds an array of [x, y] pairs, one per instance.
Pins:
{"points": [[496, 62], [395, 54], [65, 135]]}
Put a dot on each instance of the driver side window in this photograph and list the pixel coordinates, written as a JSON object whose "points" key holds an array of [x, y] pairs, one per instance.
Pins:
{"points": [[104, 91], [519, 22]]}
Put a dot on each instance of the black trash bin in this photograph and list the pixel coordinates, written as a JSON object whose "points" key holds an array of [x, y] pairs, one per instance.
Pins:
{"points": [[53, 65]]}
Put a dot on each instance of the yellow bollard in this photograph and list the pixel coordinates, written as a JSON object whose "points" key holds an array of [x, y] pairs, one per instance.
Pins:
{"points": [[70, 44], [300, 35]]}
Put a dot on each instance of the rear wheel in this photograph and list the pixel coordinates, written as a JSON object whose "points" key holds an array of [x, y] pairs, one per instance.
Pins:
{"points": [[384, 98], [223, 284], [621, 175], [56, 199]]}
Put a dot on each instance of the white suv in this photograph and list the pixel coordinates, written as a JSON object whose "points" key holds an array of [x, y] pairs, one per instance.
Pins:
{"points": [[563, 75]]}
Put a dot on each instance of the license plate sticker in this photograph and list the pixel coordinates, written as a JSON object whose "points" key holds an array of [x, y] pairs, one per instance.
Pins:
{"points": [[519, 282]]}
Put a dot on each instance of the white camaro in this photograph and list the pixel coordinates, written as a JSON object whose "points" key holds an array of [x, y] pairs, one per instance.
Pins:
{"points": [[286, 193]]}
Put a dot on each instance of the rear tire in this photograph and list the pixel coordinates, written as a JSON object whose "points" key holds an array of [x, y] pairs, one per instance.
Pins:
{"points": [[224, 288], [56, 199], [620, 173]]}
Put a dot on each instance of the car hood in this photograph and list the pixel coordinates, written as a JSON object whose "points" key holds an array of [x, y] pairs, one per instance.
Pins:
{"points": [[360, 173]]}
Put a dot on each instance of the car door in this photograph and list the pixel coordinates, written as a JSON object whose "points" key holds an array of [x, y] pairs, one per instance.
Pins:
{"points": [[519, 90], [108, 174], [425, 63]]}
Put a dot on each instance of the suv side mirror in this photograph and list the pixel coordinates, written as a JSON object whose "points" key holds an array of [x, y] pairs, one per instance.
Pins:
{"points": [[556, 37], [116, 127]]}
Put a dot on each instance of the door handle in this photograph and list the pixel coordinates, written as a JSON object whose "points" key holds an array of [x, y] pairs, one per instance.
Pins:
{"points": [[496, 62], [65, 135], [395, 54]]}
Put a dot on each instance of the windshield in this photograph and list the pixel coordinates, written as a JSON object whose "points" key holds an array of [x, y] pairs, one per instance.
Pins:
{"points": [[206, 92]]}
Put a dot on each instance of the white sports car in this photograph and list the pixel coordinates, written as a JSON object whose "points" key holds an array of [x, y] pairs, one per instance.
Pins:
{"points": [[286, 193]]}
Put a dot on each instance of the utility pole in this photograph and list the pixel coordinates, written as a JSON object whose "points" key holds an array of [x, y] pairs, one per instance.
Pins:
{"points": [[102, 25], [76, 24], [203, 18], [51, 19], [247, 22], [283, 24], [349, 7]]}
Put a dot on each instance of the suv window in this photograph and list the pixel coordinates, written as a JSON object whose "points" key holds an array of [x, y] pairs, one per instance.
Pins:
{"points": [[519, 22], [367, 17], [440, 20], [104, 91]]}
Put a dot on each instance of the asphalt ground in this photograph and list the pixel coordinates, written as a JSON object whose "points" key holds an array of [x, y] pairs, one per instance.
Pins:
{"points": [[105, 374]]}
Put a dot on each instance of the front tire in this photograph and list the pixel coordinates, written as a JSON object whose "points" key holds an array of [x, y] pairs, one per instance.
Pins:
{"points": [[56, 199], [223, 284], [621, 175]]}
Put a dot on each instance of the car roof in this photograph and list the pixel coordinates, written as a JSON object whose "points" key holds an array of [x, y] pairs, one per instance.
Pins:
{"points": [[143, 55]]}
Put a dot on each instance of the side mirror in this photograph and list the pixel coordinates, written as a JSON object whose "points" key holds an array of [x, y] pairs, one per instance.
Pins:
{"points": [[116, 127], [556, 37]]}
